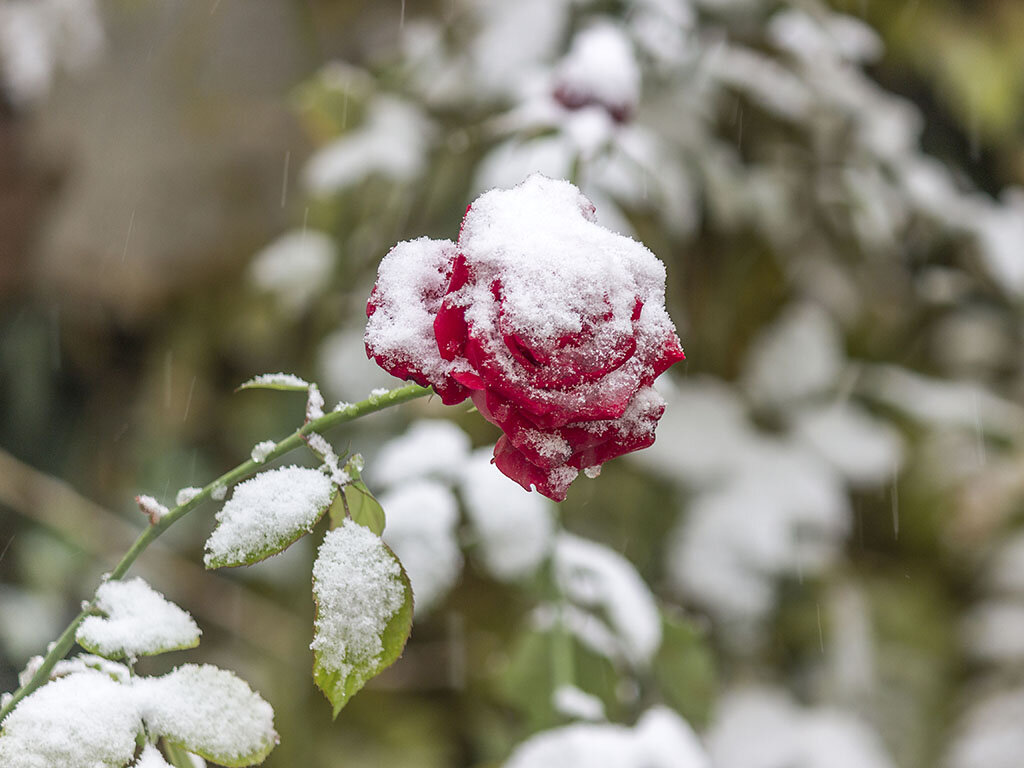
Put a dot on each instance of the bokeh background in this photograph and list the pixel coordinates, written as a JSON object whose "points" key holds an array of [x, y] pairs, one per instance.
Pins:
{"points": [[196, 191]]}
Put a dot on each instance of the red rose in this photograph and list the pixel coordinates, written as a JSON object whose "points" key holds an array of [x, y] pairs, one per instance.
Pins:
{"points": [[555, 326]]}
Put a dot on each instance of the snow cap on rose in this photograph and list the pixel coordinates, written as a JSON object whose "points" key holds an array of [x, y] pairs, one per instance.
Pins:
{"points": [[554, 326]]}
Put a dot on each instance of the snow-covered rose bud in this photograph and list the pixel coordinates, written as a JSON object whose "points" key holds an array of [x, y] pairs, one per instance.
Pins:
{"points": [[554, 326]]}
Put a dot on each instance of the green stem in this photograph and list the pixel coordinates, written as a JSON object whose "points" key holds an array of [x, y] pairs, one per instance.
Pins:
{"points": [[59, 649]]}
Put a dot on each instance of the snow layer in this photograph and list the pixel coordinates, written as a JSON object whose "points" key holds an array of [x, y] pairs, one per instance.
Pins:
{"points": [[595, 577], [295, 268], [209, 710], [393, 142], [989, 734], [151, 758], [267, 511], [514, 528], [422, 516], [600, 67], [139, 621], [83, 720], [660, 739], [358, 589], [762, 728], [429, 448], [276, 380]]}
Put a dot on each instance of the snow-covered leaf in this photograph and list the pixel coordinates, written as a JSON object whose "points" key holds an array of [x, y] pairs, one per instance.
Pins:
{"points": [[266, 514], [84, 720], [137, 621], [285, 382], [364, 611], [210, 712]]}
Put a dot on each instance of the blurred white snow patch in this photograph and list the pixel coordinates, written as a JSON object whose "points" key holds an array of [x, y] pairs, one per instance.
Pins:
{"points": [[990, 733], [295, 268], [660, 739], [798, 356], [39, 37], [434, 448], [28, 620], [831, 36], [512, 161], [762, 79], [942, 403], [571, 702], [393, 142], [79, 721], [514, 528], [599, 579], [1006, 571], [865, 450], [514, 42], [703, 432], [345, 370], [661, 29], [763, 728], [600, 67], [785, 513], [993, 632], [138, 621], [1000, 233], [421, 520]]}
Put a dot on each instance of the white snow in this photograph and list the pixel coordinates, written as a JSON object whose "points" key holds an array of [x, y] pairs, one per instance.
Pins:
{"points": [[429, 448], [261, 450], [797, 356], [358, 589], [865, 450], [151, 758], [989, 733], [601, 67], [295, 268], [344, 369], [514, 528], [599, 579], [209, 710], [138, 621], [571, 702], [943, 403], [814, 40], [993, 632], [266, 511], [761, 727], [393, 142], [413, 278], [185, 495], [38, 37], [422, 516], [83, 720], [287, 380], [660, 739], [784, 512], [314, 403], [152, 508], [1000, 233]]}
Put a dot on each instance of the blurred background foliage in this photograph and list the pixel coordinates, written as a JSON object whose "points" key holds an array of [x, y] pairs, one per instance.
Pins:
{"points": [[135, 192]]}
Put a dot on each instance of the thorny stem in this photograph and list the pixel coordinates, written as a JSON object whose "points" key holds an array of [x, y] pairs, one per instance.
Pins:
{"points": [[59, 649]]}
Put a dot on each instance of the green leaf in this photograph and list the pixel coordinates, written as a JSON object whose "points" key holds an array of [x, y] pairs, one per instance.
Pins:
{"points": [[364, 607], [685, 670], [209, 712], [177, 756], [360, 505], [282, 382], [267, 514]]}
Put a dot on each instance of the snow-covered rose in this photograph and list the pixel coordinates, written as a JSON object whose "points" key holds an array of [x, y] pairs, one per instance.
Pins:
{"points": [[554, 326]]}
